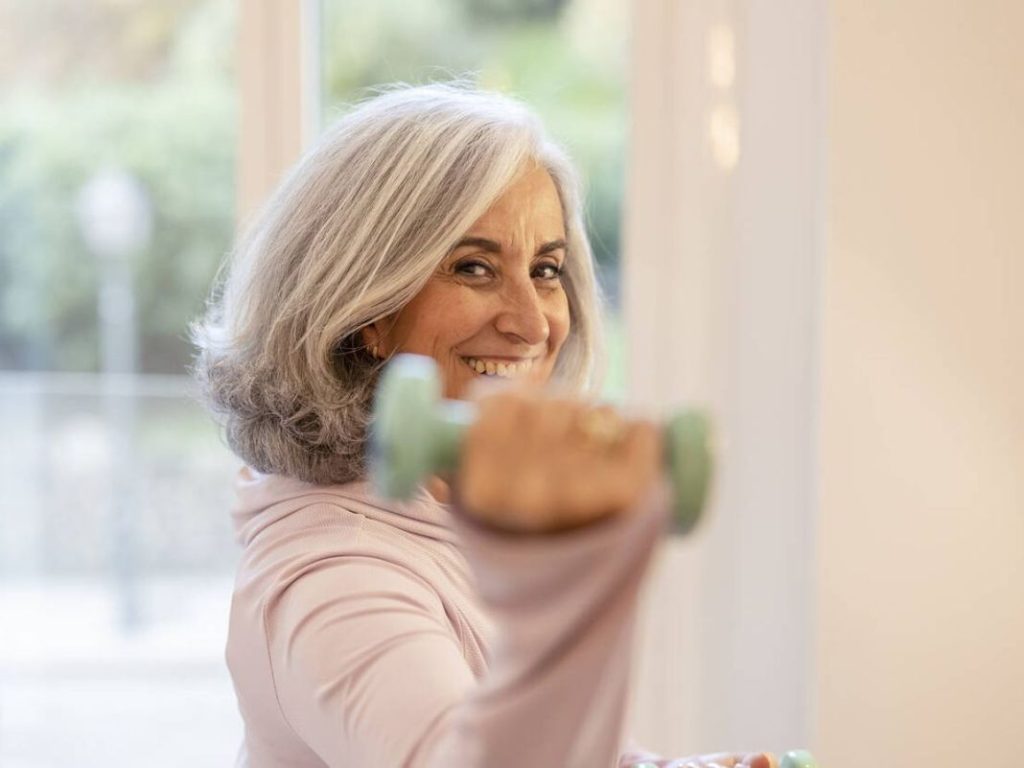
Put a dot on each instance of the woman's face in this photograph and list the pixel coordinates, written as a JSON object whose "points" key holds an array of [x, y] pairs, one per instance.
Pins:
{"points": [[496, 302]]}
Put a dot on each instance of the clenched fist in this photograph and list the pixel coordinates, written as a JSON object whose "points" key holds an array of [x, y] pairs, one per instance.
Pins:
{"points": [[529, 463]]}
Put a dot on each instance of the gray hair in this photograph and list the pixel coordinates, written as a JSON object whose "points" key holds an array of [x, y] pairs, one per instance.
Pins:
{"points": [[351, 235]]}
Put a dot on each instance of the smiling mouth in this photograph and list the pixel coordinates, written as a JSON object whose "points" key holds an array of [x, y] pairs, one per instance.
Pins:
{"points": [[505, 369]]}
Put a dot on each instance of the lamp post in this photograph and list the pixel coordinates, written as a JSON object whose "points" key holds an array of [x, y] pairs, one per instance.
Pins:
{"points": [[115, 218]]}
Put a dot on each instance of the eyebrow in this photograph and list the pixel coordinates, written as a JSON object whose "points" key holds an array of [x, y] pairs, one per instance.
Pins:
{"points": [[492, 246]]}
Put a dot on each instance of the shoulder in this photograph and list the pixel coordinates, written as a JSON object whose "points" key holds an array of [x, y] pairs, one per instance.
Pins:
{"points": [[344, 584]]}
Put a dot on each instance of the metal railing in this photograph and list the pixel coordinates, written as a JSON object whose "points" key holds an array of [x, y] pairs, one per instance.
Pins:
{"points": [[117, 476]]}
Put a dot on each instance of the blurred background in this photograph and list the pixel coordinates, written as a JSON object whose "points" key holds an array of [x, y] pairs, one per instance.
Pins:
{"points": [[119, 176], [805, 214]]}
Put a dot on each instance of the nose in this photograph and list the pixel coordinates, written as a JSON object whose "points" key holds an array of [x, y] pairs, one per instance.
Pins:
{"points": [[522, 313]]}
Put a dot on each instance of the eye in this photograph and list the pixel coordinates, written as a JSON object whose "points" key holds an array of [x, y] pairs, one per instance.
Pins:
{"points": [[472, 268], [553, 271]]}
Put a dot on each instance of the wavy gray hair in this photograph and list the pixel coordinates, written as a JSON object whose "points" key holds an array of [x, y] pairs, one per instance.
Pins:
{"points": [[353, 232]]}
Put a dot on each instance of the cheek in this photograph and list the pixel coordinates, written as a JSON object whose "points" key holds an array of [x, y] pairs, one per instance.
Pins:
{"points": [[460, 318], [438, 325], [559, 319]]}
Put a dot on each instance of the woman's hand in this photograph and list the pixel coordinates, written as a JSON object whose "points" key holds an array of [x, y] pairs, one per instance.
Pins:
{"points": [[529, 464]]}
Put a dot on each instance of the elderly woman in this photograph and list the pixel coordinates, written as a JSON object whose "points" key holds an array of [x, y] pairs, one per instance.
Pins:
{"points": [[489, 621]]}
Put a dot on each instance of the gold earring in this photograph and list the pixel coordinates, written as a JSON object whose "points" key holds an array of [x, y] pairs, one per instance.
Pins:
{"points": [[375, 350]]}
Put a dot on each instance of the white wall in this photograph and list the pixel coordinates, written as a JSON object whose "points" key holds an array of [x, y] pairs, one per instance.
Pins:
{"points": [[921, 535], [849, 301]]}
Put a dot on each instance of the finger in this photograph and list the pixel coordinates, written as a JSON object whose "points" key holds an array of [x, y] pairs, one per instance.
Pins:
{"points": [[593, 500], [610, 424], [635, 464], [644, 445], [498, 412], [480, 490], [559, 416]]}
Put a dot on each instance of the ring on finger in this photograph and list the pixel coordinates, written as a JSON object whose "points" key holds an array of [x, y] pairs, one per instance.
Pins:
{"points": [[601, 427]]}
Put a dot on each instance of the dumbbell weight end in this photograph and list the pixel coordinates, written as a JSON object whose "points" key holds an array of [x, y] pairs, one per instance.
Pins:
{"points": [[688, 460], [798, 759]]}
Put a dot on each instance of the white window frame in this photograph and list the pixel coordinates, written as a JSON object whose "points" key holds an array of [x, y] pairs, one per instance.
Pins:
{"points": [[721, 286], [279, 93]]}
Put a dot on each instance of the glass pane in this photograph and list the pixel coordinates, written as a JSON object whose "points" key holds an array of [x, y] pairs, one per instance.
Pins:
{"points": [[117, 157], [566, 58]]}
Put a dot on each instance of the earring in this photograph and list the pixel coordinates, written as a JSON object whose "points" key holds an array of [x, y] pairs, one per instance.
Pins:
{"points": [[375, 350]]}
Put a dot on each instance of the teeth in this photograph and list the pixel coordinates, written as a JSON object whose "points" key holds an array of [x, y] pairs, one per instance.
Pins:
{"points": [[502, 369]]}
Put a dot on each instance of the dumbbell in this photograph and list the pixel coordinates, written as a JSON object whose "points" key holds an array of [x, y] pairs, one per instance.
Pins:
{"points": [[798, 759], [416, 433]]}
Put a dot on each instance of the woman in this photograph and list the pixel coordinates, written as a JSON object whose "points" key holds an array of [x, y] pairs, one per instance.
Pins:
{"points": [[487, 622]]}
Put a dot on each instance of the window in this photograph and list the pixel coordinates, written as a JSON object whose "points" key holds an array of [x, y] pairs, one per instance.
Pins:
{"points": [[119, 150], [117, 160]]}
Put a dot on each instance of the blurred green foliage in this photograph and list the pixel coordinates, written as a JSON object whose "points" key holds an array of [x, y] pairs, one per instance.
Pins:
{"points": [[171, 123], [565, 59], [150, 88]]}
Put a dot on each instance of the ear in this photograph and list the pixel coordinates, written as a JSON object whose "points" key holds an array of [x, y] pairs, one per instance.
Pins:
{"points": [[374, 338], [371, 334]]}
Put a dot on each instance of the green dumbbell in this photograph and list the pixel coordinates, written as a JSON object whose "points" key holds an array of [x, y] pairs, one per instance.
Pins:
{"points": [[798, 759], [416, 433]]}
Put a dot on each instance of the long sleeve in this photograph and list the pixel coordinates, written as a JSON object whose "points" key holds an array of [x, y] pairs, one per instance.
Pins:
{"points": [[368, 670]]}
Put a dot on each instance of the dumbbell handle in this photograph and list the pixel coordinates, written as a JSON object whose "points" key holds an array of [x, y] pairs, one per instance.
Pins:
{"points": [[453, 419]]}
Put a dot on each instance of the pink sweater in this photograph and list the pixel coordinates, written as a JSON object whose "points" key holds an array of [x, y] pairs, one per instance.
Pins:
{"points": [[373, 634]]}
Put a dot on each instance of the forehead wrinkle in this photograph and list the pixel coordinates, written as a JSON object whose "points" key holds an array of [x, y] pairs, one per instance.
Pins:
{"points": [[521, 218]]}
